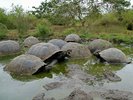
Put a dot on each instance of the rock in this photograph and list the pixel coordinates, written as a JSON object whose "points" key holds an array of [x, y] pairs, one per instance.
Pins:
{"points": [[52, 85], [99, 45], [28, 42], [39, 97], [78, 95], [75, 72], [111, 76], [72, 38], [117, 95], [78, 50], [42, 97]]}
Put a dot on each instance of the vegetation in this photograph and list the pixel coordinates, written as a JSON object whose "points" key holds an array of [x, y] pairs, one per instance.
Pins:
{"points": [[107, 19]]}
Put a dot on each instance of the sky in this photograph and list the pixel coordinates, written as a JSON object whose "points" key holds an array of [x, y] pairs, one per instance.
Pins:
{"points": [[27, 4]]}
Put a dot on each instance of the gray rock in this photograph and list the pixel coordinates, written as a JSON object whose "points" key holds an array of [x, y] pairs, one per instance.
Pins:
{"points": [[117, 95], [79, 95], [111, 76], [75, 72], [53, 85], [42, 97]]}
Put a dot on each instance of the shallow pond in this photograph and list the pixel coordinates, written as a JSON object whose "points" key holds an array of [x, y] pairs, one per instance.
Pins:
{"points": [[14, 87]]}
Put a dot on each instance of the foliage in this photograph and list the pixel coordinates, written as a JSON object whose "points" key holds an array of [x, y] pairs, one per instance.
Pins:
{"points": [[127, 19], [43, 28], [3, 31], [107, 19], [18, 16], [69, 31]]}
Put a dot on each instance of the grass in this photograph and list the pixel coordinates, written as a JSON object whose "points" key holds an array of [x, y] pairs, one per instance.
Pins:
{"points": [[116, 34]]}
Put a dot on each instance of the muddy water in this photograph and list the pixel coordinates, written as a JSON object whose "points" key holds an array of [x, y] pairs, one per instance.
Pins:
{"points": [[14, 87]]}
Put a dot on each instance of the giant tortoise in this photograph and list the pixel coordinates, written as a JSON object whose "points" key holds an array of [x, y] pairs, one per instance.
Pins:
{"points": [[57, 42], [99, 45], [29, 64], [43, 50], [9, 47], [113, 55], [49, 53], [28, 42], [72, 38], [77, 50], [25, 65]]}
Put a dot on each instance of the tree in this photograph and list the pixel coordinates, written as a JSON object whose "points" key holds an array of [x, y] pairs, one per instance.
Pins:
{"points": [[64, 10], [67, 11], [18, 16]]}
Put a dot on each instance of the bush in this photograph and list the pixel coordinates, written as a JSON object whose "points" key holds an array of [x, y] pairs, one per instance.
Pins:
{"points": [[3, 31], [69, 31], [43, 28], [127, 17], [107, 19]]}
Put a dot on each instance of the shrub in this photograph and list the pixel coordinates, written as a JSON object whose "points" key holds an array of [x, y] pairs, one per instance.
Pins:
{"points": [[43, 28], [127, 17], [107, 19], [69, 31], [3, 31]]}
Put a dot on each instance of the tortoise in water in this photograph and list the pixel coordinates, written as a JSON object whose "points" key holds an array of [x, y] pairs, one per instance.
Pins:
{"points": [[30, 64], [28, 42], [25, 65], [72, 38], [47, 52], [9, 47], [99, 45], [77, 50], [58, 42], [113, 55]]}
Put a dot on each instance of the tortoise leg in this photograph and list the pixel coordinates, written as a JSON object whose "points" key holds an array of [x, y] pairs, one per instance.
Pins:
{"points": [[50, 65]]}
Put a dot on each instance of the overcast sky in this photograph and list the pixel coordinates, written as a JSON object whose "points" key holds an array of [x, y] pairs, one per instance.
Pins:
{"points": [[27, 4]]}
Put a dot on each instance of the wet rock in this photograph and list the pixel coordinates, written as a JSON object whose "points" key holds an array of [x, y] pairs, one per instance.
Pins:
{"points": [[111, 76], [78, 95], [117, 95], [52, 85], [75, 72], [42, 97], [39, 97]]}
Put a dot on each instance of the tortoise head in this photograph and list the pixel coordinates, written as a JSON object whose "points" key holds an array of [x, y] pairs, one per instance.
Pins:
{"points": [[68, 52]]}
